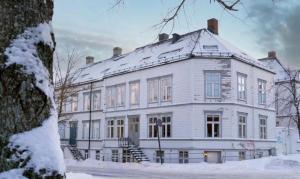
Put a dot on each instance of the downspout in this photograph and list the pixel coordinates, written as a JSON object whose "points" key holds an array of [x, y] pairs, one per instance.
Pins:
{"points": [[90, 120]]}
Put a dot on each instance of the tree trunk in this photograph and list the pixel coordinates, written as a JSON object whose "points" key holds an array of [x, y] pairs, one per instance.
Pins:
{"points": [[23, 104]]}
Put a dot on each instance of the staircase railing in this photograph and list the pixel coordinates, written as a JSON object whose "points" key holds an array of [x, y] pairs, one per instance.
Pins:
{"points": [[124, 142]]}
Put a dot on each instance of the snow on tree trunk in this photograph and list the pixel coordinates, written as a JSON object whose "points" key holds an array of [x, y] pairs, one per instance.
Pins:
{"points": [[29, 140]]}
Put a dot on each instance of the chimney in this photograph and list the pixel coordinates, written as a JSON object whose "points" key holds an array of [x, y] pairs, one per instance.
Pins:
{"points": [[117, 51], [163, 37], [175, 37], [212, 26], [272, 54], [89, 60]]}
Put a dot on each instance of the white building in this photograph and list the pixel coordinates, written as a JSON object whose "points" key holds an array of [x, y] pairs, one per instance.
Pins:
{"points": [[287, 131], [214, 102]]}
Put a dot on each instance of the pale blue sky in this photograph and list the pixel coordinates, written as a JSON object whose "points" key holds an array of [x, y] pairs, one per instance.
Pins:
{"points": [[93, 28]]}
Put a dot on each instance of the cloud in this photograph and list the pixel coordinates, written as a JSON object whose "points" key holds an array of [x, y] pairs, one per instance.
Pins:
{"points": [[277, 27]]}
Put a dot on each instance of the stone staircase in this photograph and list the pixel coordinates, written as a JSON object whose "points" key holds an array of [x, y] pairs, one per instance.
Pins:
{"points": [[77, 155], [136, 152]]}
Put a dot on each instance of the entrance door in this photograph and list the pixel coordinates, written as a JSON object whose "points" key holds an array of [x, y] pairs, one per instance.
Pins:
{"points": [[73, 133], [134, 129]]}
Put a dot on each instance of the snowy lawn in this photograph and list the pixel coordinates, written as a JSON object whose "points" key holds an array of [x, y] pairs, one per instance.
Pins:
{"points": [[280, 164]]}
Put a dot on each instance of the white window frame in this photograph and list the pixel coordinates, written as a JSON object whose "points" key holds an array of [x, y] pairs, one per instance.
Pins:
{"points": [[242, 86], [166, 119], [74, 103], [263, 127], [85, 131], [165, 88], [242, 125], [110, 126], [86, 101], [134, 93], [120, 127], [120, 95], [214, 85], [153, 90], [160, 89], [262, 92], [96, 103], [213, 115], [95, 131], [110, 97]]}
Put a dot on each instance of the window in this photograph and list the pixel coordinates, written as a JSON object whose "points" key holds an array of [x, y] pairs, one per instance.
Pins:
{"points": [[95, 129], [213, 126], [134, 93], [114, 155], [262, 127], [242, 155], [64, 107], [212, 83], [110, 97], [110, 128], [120, 95], [61, 130], [96, 100], [183, 157], [86, 154], [242, 86], [86, 101], [153, 90], [74, 103], [152, 127], [242, 125], [164, 130], [166, 88], [85, 130], [262, 92], [120, 128], [97, 156], [160, 156]]}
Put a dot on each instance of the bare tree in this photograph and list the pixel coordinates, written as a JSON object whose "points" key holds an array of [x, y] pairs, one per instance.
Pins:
{"points": [[288, 97], [66, 71]]}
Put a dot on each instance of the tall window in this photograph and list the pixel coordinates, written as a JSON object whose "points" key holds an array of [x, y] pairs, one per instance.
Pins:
{"points": [[242, 125], [85, 130], [86, 101], [74, 102], [153, 90], [95, 129], [120, 128], [242, 86], [262, 91], [213, 126], [134, 93], [183, 157], [110, 128], [96, 100], [164, 129], [120, 95], [212, 83], [160, 89], [262, 127], [166, 88], [110, 97]]}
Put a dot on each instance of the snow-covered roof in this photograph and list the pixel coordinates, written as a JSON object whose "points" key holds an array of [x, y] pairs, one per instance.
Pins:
{"points": [[201, 43]]}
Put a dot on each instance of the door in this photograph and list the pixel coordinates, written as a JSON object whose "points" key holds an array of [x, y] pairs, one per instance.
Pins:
{"points": [[73, 133], [134, 129], [212, 157]]}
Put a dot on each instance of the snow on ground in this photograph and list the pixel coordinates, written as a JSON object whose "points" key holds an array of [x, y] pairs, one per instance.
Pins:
{"points": [[280, 165]]}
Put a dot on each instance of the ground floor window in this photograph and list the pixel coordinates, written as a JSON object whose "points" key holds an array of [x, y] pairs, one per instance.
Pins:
{"points": [[160, 156], [213, 126], [120, 128], [86, 154], [115, 155], [183, 157], [164, 128], [242, 155], [97, 156]]}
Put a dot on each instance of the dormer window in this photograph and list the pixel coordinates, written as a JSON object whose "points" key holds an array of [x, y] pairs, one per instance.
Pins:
{"points": [[210, 47]]}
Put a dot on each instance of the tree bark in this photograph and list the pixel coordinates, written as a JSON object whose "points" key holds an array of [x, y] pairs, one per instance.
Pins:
{"points": [[23, 106]]}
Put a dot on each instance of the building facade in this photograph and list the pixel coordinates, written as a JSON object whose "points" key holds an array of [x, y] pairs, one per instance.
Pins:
{"points": [[205, 99]]}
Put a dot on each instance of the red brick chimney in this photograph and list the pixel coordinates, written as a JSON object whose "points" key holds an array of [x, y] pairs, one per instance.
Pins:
{"points": [[272, 54], [212, 26]]}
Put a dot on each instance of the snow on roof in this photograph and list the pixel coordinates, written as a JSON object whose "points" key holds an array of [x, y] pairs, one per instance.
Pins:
{"points": [[198, 43]]}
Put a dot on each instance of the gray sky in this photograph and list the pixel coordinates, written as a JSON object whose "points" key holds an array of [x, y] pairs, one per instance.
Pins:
{"points": [[259, 26]]}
